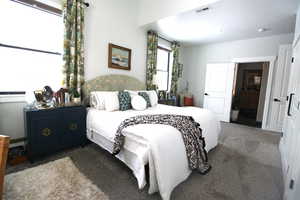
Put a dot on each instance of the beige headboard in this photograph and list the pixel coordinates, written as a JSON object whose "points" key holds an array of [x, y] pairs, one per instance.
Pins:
{"points": [[111, 82]]}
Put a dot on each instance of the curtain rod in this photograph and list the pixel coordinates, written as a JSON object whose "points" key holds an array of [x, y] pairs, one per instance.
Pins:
{"points": [[161, 37], [86, 4], [164, 39]]}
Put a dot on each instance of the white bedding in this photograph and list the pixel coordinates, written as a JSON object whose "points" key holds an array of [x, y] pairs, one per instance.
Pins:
{"points": [[159, 145]]}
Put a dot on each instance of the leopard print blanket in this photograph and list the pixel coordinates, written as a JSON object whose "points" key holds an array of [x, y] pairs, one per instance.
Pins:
{"points": [[190, 131]]}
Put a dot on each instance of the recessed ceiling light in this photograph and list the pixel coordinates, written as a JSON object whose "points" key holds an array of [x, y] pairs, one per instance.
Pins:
{"points": [[202, 10], [262, 30]]}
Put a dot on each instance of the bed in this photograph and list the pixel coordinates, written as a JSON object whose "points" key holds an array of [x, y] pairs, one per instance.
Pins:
{"points": [[159, 146]]}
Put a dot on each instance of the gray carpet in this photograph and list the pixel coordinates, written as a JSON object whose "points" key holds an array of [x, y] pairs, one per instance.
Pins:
{"points": [[246, 166]]}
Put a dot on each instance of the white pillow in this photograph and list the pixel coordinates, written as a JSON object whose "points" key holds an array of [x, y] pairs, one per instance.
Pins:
{"points": [[153, 97], [132, 93], [111, 101], [97, 100], [151, 93], [138, 103]]}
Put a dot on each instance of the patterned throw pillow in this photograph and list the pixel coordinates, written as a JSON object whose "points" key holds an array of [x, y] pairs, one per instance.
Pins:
{"points": [[146, 97], [124, 100]]}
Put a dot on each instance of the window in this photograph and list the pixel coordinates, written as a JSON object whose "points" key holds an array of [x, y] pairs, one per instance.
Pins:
{"points": [[31, 42], [163, 76]]}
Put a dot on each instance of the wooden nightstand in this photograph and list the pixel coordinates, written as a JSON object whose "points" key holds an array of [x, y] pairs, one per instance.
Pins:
{"points": [[171, 102], [52, 130]]}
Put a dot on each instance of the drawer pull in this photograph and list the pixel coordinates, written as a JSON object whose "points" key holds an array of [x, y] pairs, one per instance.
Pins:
{"points": [[46, 132], [73, 126]]}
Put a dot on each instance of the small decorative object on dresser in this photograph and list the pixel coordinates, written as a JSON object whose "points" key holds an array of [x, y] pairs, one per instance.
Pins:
{"points": [[44, 98], [75, 96], [51, 130]]}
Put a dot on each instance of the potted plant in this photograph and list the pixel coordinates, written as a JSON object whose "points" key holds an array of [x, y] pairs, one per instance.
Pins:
{"points": [[75, 96]]}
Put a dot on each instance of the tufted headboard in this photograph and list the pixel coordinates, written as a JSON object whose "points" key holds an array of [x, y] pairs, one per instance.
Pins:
{"points": [[111, 82]]}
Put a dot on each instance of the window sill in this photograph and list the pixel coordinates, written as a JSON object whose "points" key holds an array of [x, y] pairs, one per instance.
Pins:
{"points": [[18, 98]]}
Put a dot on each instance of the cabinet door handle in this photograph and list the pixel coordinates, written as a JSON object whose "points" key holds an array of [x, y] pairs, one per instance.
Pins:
{"points": [[205, 94], [276, 100], [46, 132], [73, 126], [290, 103]]}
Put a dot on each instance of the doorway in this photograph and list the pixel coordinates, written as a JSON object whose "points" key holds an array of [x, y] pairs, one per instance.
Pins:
{"points": [[249, 93]]}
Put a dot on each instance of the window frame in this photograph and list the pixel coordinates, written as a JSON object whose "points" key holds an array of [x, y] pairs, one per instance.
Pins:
{"points": [[42, 7], [168, 69]]}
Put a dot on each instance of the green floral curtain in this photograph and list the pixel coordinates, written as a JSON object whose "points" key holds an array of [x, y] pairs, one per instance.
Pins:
{"points": [[152, 43], [176, 69], [73, 56]]}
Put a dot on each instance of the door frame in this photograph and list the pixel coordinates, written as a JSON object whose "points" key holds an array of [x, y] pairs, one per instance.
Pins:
{"points": [[271, 60]]}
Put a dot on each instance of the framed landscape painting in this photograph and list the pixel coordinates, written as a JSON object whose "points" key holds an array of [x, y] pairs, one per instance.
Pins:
{"points": [[119, 57]]}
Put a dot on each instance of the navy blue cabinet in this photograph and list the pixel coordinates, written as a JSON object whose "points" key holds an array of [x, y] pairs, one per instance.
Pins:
{"points": [[52, 130]]}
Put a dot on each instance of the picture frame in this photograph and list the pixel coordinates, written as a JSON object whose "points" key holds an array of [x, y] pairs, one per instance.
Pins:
{"points": [[119, 57], [249, 79], [162, 95]]}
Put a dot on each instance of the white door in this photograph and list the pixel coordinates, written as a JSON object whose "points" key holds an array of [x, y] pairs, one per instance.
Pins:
{"points": [[280, 87], [218, 89], [290, 142]]}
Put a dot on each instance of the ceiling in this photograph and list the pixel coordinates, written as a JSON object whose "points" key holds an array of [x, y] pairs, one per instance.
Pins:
{"points": [[230, 20]]}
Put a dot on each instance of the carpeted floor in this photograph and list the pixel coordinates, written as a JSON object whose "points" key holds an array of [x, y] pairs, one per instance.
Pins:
{"points": [[56, 180], [246, 166]]}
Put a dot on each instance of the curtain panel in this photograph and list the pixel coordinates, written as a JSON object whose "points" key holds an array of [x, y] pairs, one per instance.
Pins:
{"points": [[152, 43], [176, 69], [73, 55]]}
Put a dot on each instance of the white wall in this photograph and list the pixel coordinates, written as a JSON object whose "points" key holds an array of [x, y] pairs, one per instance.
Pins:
{"points": [[297, 28], [116, 22], [195, 58]]}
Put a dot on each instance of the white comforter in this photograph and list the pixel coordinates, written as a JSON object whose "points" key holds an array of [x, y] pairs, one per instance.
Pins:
{"points": [[168, 165]]}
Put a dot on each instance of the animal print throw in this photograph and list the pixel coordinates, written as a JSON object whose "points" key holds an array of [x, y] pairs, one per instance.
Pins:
{"points": [[190, 131]]}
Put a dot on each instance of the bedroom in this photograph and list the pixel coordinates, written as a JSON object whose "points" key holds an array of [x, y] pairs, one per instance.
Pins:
{"points": [[64, 166]]}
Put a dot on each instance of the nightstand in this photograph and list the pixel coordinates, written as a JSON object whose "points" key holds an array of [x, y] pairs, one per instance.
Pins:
{"points": [[171, 102], [51, 130]]}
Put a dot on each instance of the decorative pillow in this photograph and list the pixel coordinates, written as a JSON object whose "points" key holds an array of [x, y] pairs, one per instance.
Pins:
{"points": [[153, 97], [111, 101], [93, 101], [138, 103], [132, 93], [124, 100], [97, 99], [146, 97]]}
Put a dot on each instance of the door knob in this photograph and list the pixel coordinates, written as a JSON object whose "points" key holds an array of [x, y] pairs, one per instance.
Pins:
{"points": [[276, 100], [205, 94]]}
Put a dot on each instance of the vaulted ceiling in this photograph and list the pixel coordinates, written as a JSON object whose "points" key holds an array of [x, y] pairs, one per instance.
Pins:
{"points": [[230, 20]]}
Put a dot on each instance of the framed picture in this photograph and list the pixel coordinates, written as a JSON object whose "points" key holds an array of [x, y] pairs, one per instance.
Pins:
{"points": [[252, 79], [162, 94], [119, 57]]}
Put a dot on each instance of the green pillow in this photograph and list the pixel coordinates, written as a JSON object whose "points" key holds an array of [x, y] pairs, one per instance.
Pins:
{"points": [[124, 100], [146, 97]]}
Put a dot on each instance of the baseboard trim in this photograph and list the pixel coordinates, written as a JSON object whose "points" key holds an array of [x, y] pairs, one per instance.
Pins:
{"points": [[284, 165]]}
